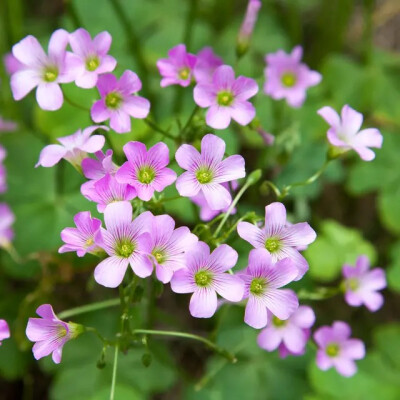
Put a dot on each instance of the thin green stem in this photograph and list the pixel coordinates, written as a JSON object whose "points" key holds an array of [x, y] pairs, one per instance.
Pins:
{"points": [[154, 126], [89, 308], [73, 104], [189, 120], [321, 293], [114, 375], [97, 333], [230, 357]]}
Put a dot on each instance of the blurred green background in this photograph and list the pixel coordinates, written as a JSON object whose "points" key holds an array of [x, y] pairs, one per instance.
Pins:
{"points": [[355, 207]]}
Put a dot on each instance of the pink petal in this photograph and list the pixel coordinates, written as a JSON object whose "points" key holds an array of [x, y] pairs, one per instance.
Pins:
{"points": [[80, 42], [374, 279], [203, 303], [351, 120], [110, 272], [163, 179], [341, 330], [58, 44], [324, 362], [129, 82], [282, 273], [107, 64], [365, 153], [345, 367], [368, 138], [106, 83], [229, 287], [330, 116], [183, 282], [294, 339], [159, 154], [51, 155], [224, 77], [99, 112], [244, 88], [117, 215], [304, 317], [187, 157], [141, 265], [218, 117], [136, 106], [275, 218], [230, 169], [29, 52], [243, 112], [223, 258], [49, 96], [204, 95], [299, 235], [93, 144], [216, 195], [373, 301], [22, 82], [87, 80], [46, 311], [102, 42], [256, 313], [281, 302], [187, 184], [252, 234], [212, 149], [120, 122], [353, 348], [269, 339]]}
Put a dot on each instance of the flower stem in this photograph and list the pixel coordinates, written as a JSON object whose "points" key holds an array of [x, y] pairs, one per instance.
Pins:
{"points": [[252, 179], [320, 293], [114, 375], [189, 120], [154, 126], [230, 357], [73, 104], [89, 308]]}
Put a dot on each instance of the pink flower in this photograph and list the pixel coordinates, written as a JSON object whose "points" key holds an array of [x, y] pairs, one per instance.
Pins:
{"points": [[50, 333], [3, 176], [288, 78], [337, 350], [146, 170], [7, 126], [81, 238], [4, 330], [119, 101], [207, 171], [361, 284], [73, 148], [278, 237], [263, 281], [169, 246], [126, 242], [206, 213], [6, 221], [93, 56], [177, 69], [226, 97], [205, 276], [345, 132], [96, 169], [43, 71], [206, 64], [247, 28], [107, 190], [290, 335], [267, 138]]}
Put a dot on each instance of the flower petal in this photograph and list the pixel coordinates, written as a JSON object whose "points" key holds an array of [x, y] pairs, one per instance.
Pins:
{"points": [[187, 184], [252, 234], [281, 302], [275, 218], [49, 96], [256, 313], [51, 155], [203, 303], [110, 272]]}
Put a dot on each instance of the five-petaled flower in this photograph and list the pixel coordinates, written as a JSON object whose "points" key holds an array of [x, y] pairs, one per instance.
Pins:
{"points": [[207, 171], [345, 134], [169, 246], [263, 281], [43, 71], [205, 276], [177, 69], [146, 170], [119, 101], [73, 148], [126, 242], [93, 56], [361, 285], [288, 78], [226, 98], [289, 336], [81, 238], [50, 333], [337, 349], [279, 237]]}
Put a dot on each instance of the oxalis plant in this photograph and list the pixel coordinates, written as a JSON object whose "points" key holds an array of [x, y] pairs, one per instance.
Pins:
{"points": [[135, 240]]}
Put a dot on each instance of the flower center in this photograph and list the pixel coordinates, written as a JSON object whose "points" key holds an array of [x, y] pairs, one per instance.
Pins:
{"points": [[146, 175], [125, 248], [113, 100], [352, 284], [272, 245], [257, 286], [203, 278], [89, 242], [332, 350], [184, 73], [50, 74], [225, 98], [159, 255], [204, 175], [61, 331], [278, 322], [288, 79], [92, 63]]}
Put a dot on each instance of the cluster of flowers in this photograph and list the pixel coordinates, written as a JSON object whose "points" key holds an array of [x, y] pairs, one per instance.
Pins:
{"points": [[148, 242]]}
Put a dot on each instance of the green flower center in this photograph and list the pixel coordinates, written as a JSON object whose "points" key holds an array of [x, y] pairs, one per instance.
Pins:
{"points": [[204, 175], [146, 175], [125, 248], [89, 242], [332, 350], [113, 100], [257, 286], [184, 73], [159, 255], [225, 98], [272, 245], [61, 331], [288, 79], [352, 284], [203, 278], [50, 74], [278, 322], [92, 63]]}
